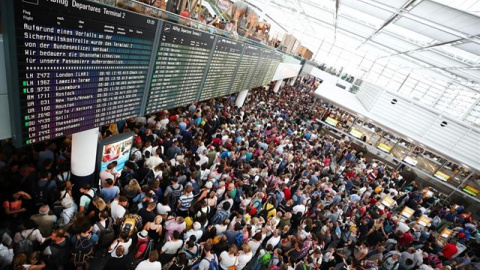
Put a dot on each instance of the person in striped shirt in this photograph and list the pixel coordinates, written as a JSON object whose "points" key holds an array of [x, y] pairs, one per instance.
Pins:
{"points": [[185, 201]]}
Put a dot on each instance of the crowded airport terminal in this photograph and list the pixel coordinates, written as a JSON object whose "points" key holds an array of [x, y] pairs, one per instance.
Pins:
{"points": [[240, 135]]}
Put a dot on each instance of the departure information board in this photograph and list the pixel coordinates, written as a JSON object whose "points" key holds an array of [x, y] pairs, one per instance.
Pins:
{"points": [[246, 68], [261, 68], [276, 59], [221, 71], [180, 65], [74, 65], [80, 65]]}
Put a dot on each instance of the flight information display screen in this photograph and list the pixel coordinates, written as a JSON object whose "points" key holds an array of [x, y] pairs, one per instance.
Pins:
{"points": [[276, 58], [261, 68], [80, 65], [246, 68], [221, 71], [180, 65], [74, 65]]}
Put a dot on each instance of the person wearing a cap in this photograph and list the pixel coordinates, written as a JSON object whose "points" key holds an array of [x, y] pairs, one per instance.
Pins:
{"points": [[69, 210], [44, 220], [142, 244]]}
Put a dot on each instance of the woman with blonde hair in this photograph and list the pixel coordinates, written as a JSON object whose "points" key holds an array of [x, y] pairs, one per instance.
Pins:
{"points": [[22, 262], [98, 206], [244, 256], [154, 228], [228, 259], [132, 190]]}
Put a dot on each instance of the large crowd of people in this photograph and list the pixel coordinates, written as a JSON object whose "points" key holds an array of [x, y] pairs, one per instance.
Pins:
{"points": [[212, 186]]}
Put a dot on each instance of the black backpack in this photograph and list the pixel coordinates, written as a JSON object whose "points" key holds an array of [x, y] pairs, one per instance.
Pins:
{"points": [[90, 206], [82, 250], [174, 196], [106, 234], [25, 245], [42, 195]]}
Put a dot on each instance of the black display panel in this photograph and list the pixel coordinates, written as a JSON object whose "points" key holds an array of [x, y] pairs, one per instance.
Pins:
{"points": [[261, 68], [246, 68], [80, 65], [222, 67], [276, 59], [180, 65]]}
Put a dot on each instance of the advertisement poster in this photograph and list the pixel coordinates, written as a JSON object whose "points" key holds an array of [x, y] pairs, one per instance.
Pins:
{"points": [[116, 148]]}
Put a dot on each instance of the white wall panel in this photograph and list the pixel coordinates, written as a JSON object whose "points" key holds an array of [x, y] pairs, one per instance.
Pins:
{"points": [[286, 70], [446, 136], [369, 94], [456, 140], [469, 144]]}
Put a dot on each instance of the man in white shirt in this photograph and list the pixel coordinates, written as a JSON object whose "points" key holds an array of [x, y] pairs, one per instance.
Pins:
{"points": [[107, 174], [171, 247], [275, 239], [301, 208], [152, 263], [196, 230], [118, 208]]}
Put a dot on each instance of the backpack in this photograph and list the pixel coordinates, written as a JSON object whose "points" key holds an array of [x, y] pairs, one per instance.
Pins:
{"points": [[264, 212], [174, 196], [265, 259], [194, 256], [388, 226], [213, 265], [90, 206], [25, 245], [129, 224], [82, 250], [41, 195], [148, 244], [106, 234], [239, 239], [148, 179]]}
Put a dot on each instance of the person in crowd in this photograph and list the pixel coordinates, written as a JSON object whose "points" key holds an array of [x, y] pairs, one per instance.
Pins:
{"points": [[44, 220], [150, 263], [264, 178]]}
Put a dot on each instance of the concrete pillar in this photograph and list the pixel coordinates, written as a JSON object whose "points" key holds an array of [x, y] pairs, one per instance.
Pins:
{"points": [[277, 86], [84, 153], [241, 98]]}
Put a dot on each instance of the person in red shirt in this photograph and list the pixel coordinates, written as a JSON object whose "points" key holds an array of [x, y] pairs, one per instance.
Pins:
{"points": [[287, 192], [406, 239], [326, 161], [450, 249]]}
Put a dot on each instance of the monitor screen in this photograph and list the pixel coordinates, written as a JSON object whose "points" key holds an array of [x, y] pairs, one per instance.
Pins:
{"points": [[356, 133], [410, 160], [442, 176], [331, 121], [384, 147], [471, 190]]}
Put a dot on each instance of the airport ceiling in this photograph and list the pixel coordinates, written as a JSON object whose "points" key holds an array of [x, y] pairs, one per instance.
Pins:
{"points": [[440, 37]]}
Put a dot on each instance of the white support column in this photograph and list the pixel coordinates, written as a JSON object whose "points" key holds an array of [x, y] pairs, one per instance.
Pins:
{"points": [[241, 98], [293, 80], [84, 153], [277, 86]]}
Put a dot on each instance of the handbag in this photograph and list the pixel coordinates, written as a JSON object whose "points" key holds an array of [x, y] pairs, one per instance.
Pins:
{"points": [[234, 266]]}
